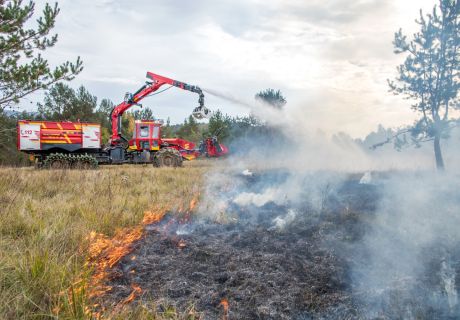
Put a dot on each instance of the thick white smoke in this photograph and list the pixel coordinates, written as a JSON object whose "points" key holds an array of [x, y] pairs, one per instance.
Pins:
{"points": [[310, 144], [414, 237], [415, 226]]}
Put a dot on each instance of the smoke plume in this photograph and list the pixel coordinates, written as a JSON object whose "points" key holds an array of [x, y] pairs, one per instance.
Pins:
{"points": [[406, 263]]}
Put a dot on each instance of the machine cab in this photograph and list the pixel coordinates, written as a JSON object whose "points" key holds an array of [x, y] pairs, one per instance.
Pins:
{"points": [[146, 135]]}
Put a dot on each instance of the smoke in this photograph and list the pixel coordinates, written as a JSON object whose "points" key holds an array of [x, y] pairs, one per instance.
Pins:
{"points": [[411, 251], [281, 222], [309, 143], [406, 263], [251, 198]]}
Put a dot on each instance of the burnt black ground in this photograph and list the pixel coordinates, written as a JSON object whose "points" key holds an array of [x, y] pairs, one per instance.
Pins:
{"points": [[300, 272], [263, 272]]}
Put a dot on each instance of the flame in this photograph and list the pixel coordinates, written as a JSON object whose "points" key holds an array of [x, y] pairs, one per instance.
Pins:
{"points": [[181, 244], [110, 251], [153, 216], [224, 304], [136, 292], [104, 253], [193, 203], [187, 214]]}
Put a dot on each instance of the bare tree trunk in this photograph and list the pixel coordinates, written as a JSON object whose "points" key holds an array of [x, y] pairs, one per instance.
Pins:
{"points": [[438, 154]]}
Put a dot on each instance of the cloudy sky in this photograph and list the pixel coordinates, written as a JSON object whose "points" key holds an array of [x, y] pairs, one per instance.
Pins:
{"points": [[330, 58]]}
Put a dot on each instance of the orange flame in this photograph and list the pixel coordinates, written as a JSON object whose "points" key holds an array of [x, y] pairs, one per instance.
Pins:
{"points": [[181, 244], [136, 292], [193, 203], [151, 217], [224, 304], [191, 207], [104, 253]]}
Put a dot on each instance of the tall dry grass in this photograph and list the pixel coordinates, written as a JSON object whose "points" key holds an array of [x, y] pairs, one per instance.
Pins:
{"points": [[46, 216]]}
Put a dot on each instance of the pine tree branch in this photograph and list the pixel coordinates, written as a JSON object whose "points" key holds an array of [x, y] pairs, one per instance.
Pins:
{"points": [[13, 97], [389, 139]]}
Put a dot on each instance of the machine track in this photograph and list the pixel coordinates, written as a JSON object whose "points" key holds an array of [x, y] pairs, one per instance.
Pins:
{"points": [[70, 161]]}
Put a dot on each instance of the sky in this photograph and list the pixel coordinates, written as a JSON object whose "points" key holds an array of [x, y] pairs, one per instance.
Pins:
{"points": [[330, 58]]}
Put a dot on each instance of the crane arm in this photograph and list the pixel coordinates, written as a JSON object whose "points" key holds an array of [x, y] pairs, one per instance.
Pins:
{"points": [[151, 86]]}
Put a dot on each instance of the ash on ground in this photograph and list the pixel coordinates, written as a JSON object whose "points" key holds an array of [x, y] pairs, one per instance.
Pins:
{"points": [[272, 261]]}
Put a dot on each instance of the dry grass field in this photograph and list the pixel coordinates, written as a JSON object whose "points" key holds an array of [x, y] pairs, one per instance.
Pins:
{"points": [[46, 218]]}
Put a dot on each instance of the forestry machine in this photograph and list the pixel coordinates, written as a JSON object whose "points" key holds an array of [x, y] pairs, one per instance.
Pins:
{"points": [[76, 144]]}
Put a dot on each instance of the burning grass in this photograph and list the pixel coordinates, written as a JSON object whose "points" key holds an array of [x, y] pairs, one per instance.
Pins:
{"points": [[245, 267], [50, 219], [121, 243], [281, 259]]}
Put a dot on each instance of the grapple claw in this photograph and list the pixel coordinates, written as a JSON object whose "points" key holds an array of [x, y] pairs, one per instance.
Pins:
{"points": [[201, 112]]}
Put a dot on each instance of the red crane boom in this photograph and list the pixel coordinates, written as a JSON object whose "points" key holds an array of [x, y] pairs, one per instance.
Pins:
{"points": [[151, 86]]}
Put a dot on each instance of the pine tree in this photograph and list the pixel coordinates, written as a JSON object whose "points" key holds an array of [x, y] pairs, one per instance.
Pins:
{"points": [[23, 70], [57, 103], [430, 74], [272, 98], [219, 125], [167, 130], [144, 114], [61, 102]]}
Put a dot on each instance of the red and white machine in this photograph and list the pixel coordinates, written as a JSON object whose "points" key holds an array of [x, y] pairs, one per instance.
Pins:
{"points": [[58, 144]]}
